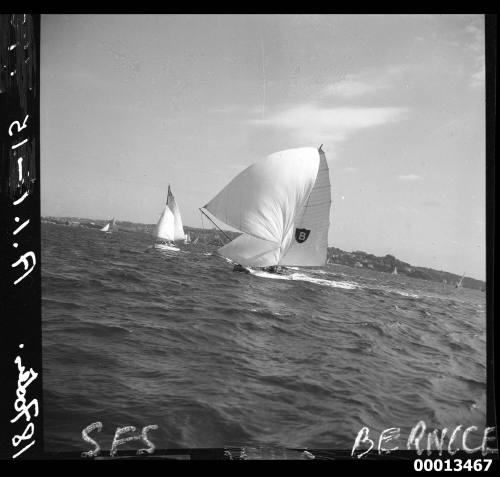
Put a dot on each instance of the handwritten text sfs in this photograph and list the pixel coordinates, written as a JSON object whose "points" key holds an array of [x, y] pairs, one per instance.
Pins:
{"points": [[117, 441]]}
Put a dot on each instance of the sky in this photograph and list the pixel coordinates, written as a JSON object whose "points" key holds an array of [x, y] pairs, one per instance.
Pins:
{"points": [[132, 103]]}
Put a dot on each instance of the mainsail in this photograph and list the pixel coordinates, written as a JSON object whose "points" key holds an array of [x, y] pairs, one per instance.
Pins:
{"points": [[282, 206], [169, 227], [164, 229], [109, 227], [178, 228]]}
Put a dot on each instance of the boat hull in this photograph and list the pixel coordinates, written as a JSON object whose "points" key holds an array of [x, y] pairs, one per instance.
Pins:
{"points": [[164, 246], [262, 271]]}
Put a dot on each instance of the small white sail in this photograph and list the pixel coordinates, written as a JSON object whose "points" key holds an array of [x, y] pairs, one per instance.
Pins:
{"points": [[106, 227], [165, 228], [282, 206], [174, 208]]}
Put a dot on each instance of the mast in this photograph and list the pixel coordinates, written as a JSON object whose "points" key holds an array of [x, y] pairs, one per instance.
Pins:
{"points": [[225, 235]]}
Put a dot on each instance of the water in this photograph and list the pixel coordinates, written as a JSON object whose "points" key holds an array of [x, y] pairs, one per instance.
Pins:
{"points": [[132, 336]]}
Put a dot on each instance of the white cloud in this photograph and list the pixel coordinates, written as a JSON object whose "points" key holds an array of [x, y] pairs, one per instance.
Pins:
{"points": [[475, 30], [478, 78], [349, 88], [365, 83], [311, 124], [409, 177]]}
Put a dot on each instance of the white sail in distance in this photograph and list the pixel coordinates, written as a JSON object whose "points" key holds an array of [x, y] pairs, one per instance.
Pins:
{"points": [[169, 227], [109, 227], [282, 206], [174, 208], [164, 229]]}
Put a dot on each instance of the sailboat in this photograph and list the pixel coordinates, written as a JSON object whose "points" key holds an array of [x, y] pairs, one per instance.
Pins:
{"points": [[395, 271], [169, 228], [459, 283], [281, 204], [187, 239], [109, 227]]}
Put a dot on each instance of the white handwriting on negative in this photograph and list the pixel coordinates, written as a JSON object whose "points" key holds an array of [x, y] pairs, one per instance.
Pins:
{"points": [[28, 256], [116, 441], [24, 260], [24, 380], [417, 439]]}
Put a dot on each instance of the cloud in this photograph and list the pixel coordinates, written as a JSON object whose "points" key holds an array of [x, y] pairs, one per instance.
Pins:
{"points": [[409, 177], [478, 78], [312, 124], [349, 88], [364, 83], [475, 31]]}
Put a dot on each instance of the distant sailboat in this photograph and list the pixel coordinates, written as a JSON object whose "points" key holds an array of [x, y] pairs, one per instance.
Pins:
{"points": [[459, 283], [281, 205], [169, 228], [187, 239], [109, 227], [395, 271]]}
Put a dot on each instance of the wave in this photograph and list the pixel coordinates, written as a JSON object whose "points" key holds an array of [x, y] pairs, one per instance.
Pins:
{"points": [[134, 337]]}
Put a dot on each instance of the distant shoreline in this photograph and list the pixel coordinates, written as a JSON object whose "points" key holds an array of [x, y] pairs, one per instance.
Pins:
{"points": [[356, 259]]}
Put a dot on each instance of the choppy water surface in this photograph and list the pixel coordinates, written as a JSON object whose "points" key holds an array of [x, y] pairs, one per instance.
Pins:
{"points": [[132, 336]]}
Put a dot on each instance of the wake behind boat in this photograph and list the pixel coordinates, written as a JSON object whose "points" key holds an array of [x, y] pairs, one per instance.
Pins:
{"points": [[281, 205], [169, 228]]}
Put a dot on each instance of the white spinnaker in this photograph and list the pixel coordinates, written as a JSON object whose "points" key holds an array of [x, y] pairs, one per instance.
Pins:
{"points": [[174, 208], [263, 202], [165, 227], [314, 218], [251, 251]]}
